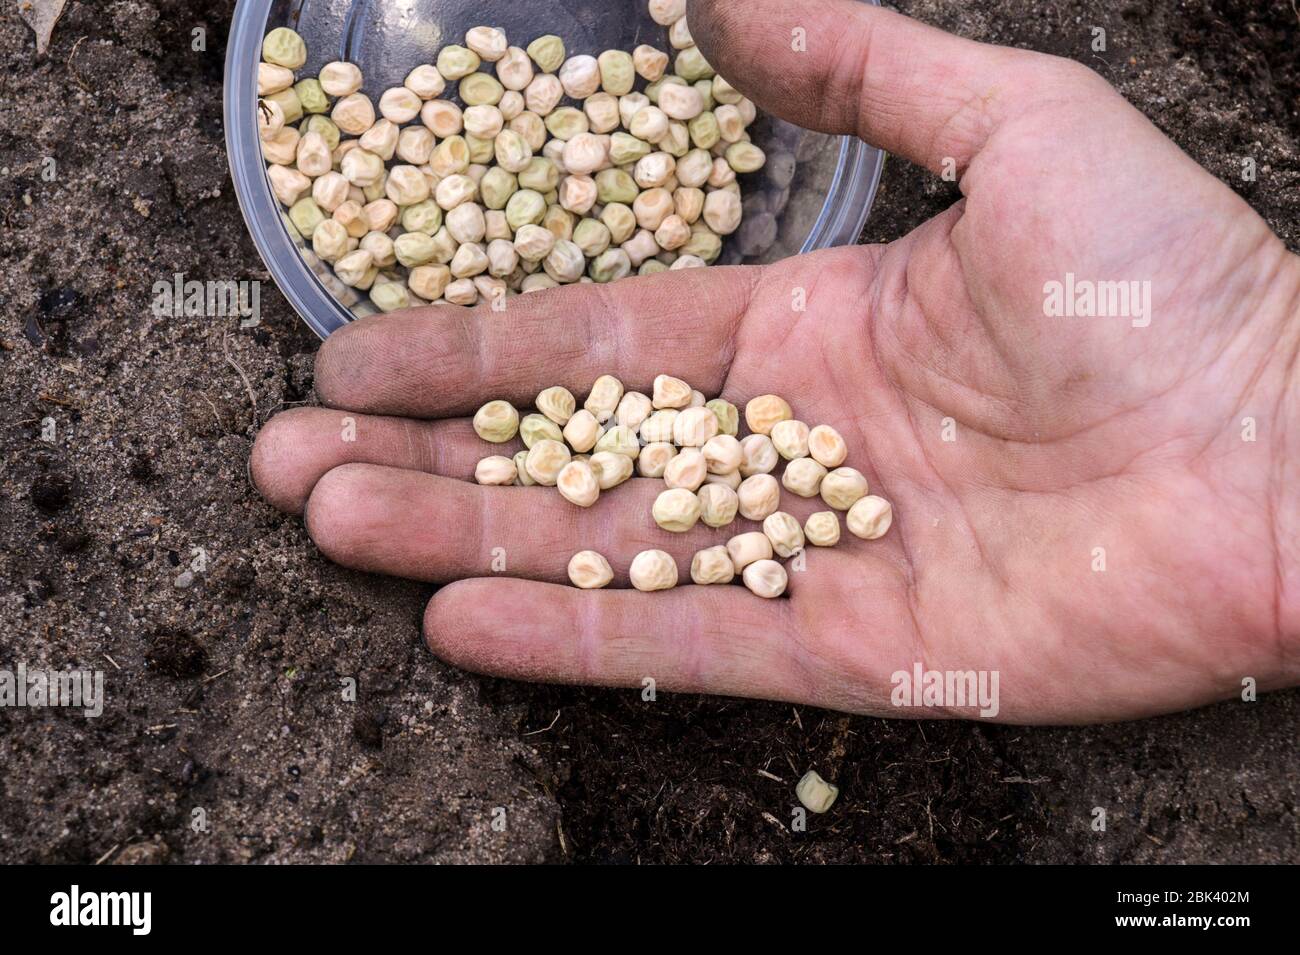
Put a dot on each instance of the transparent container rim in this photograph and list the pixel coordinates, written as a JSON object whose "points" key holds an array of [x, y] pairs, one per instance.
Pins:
{"points": [[841, 220]]}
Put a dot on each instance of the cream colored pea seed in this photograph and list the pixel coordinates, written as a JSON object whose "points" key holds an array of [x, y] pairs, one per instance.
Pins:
{"points": [[496, 471], [610, 469], [712, 566], [545, 460], [758, 455], [763, 412], [354, 114], [522, 477], [488, 42], [686, 470], [273, 79], [649, 62], [653, 570], [803, 476], [722, 453], [655, 458], [671, 393], [676, 510], [826, 446], [745, 549], [577, 484], [606, 394], [557, 403], [784, 532], [822, 529], [694, 427], [582, 431], [589, 570], [766, 578], [790, 438], [633, 409], [759, 496], [718, 505], [580, 76], [667, 12], [870, 517], [659, 426], [515, 70], [815, 793], [843, 487]]}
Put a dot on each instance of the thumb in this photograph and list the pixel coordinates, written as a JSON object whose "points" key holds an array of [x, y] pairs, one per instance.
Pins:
{"points": [[842, 66]]}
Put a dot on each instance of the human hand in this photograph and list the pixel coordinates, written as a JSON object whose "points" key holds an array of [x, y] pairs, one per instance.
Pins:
{"points": [[1067, 434]]}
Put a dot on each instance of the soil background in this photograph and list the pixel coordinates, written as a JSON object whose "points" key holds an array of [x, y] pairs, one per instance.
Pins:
{"points": [[228, 734]]}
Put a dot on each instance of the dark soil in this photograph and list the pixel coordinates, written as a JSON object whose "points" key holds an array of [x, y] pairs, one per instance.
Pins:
{"points": [[230, 732]]}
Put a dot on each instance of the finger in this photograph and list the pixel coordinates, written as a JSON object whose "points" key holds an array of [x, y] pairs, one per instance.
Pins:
{"points": [[295, 449], [719, 640], [425, 527], [440, 361], [841, 66]]}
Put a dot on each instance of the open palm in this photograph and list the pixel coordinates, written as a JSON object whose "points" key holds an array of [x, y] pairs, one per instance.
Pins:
{"points": [[1099, 508]]}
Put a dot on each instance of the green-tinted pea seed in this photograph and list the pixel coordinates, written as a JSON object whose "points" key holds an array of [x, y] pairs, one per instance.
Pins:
{"points": [[745, 157], [691, 65], [423, 217], [610, 266], [311, 96], [289, 103], [455, 62], [651, 266], [592, 236], [541, 175], [481, 89], [621, 222], [480, 150], [325, 126], [390, 296], [306, 216], [547, 52], [538, 427], [283, 47], [525, 207], [625, 149], [727, 414], [615, 185], [617, 72], [704, 130], [496, 187], [567, 122]]}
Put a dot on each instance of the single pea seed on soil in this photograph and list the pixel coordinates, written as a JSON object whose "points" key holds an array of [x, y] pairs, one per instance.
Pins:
{"points": [[815, 793], [589, 570]]}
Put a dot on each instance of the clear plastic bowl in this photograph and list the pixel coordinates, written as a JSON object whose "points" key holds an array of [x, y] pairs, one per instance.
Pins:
{"points": [[814, 192]]}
